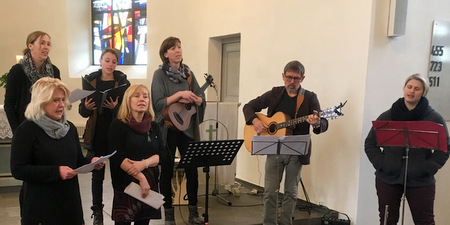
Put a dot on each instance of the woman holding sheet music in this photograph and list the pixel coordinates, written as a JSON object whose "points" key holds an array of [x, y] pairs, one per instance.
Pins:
{"points": [[100, 117], [44, 151], [137, 141], [423, 163]]}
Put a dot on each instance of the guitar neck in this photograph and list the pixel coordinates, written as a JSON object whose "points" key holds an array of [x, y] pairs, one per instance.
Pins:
{"points": [[293, 122], [205, 85]]}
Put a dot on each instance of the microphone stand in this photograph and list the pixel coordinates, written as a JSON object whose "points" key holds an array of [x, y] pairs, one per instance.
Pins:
{"points": [[215, 192]]}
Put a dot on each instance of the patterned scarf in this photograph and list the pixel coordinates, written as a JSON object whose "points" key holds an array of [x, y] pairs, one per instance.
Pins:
{"points": [[400, 112], [31, 71], [54, 128], [174, 74], [141, 127]]}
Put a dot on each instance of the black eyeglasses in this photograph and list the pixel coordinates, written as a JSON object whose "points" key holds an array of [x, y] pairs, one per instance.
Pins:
{"points": [[289, 78]]}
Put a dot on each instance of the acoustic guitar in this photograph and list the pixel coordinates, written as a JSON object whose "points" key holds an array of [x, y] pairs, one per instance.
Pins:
{"points": [[178, 115], [280, 124]]}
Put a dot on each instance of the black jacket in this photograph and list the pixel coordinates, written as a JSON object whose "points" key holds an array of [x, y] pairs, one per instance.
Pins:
{"points": [[18, 95], [389, 162]]}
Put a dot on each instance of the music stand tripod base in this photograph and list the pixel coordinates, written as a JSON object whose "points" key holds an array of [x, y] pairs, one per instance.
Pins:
{"points": [[210, 153]]}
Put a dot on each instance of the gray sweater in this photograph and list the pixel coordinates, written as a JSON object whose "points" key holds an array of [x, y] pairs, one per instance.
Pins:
{"points": [[162, 88]]}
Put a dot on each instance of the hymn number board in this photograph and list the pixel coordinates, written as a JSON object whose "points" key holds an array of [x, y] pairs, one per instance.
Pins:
{"points": [[439, 70]]}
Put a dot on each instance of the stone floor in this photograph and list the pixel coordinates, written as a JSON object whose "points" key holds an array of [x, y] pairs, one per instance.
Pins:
{"points": [[241, 207]]}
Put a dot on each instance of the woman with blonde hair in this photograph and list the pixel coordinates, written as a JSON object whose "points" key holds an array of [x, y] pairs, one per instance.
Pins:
{"points": [[44, 151], [424, 163], [136, 138]]}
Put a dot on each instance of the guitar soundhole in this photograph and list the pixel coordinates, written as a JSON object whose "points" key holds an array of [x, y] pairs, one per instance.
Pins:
{"points": [[178, 118], [272, 128]]}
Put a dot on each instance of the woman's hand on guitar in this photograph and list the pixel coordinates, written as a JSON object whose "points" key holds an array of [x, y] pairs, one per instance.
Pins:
{"points": [[259, 126], [189, 97]]}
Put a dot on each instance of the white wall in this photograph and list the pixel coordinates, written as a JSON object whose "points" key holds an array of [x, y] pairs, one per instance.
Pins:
{"points": [[391, 60], [330, 38], [342, 44]]}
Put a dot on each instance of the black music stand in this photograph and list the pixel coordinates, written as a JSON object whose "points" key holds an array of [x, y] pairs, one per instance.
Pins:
{"points": [[416, 134], [283, 145], [210, 153]]}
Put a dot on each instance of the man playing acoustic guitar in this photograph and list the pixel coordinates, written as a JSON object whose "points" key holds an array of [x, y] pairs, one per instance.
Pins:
{"points": [[294, 101]]}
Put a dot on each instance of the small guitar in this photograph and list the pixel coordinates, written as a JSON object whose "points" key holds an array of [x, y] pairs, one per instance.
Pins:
{"points": [[178, 115], [279, 120]]}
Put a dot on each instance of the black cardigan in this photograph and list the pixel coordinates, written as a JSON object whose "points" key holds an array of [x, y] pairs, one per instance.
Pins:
{"points": [[18, 94]]}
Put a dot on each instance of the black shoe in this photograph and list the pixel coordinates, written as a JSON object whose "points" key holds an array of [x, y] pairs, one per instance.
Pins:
{"points": [[193, 215], [169, 217], [97, 214]]}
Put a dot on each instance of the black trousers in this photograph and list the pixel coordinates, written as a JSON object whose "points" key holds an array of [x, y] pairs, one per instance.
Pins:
{"points": [[420, 201], [178, 139]]}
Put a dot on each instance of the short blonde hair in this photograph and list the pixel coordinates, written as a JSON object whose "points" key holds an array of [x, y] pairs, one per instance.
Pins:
{"points": [[124, 113], [41, 93], [424, 80]]}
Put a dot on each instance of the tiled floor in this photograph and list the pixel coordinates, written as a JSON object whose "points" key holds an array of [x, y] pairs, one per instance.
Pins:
{"points": [[242, 208]]}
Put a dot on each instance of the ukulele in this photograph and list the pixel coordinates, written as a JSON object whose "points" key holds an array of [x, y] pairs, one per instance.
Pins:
{"points": [[178, 115]]}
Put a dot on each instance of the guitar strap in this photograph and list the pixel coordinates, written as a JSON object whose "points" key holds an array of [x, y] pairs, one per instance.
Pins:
{"points": [[300, 98], [189, 82]]}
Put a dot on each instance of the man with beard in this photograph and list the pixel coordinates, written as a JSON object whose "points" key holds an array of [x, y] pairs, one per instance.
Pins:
{"points": [[293, 101]]}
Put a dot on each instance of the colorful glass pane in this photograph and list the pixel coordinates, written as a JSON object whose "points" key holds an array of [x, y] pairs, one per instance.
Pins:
{"points": [[122, 4], [101, 5], [124, 29]]}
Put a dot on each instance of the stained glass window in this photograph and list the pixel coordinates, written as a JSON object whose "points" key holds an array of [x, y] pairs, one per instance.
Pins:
{"points": [[120, 24]]}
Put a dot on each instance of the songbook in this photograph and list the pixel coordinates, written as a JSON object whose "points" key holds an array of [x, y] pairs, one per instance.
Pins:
{"points": [[153, 199], [100, 96], [91, 166]]}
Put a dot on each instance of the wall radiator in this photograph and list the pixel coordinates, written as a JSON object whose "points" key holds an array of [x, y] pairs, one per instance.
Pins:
{"points": [[80, 130]]}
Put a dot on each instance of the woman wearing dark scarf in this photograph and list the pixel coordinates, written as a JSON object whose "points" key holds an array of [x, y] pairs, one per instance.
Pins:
{"points": [[34, 65], [137, 141], [100, 117], [174, 82], [423, 163], [44, 151]]}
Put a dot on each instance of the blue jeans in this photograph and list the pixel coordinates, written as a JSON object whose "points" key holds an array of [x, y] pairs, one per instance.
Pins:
{"points": [[275, 166]]}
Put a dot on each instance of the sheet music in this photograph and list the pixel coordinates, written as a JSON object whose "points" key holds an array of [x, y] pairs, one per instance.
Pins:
{"points": [[283, 145], [79, 94], [91, 166], [153, 199]]}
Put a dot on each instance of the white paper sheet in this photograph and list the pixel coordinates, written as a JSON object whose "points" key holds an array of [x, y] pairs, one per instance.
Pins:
{"points": [[79, 94], [91, 166], [153, 199]]}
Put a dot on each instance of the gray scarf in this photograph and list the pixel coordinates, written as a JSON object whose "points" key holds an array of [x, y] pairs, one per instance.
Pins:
{"points": [[174, 74], [54, 128], [31, 71]]}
